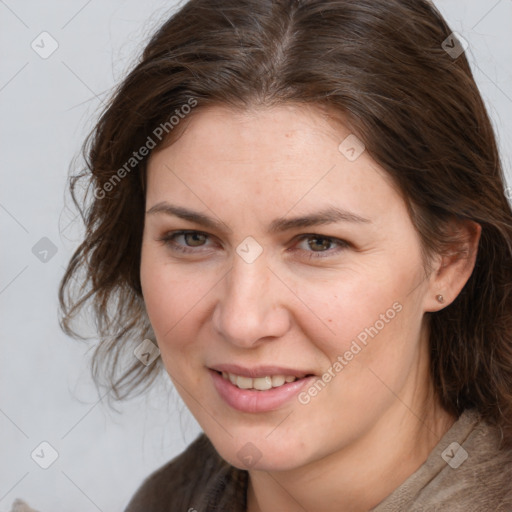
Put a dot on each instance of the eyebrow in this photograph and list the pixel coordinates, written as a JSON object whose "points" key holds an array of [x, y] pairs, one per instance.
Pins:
{"points": [[330, 215]]}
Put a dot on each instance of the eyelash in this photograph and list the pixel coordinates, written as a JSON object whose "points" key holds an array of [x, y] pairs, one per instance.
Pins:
{"points": [[169, 240]]}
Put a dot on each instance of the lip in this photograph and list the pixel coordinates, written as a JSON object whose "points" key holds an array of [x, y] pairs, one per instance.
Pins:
{"points": [[254, 401]]}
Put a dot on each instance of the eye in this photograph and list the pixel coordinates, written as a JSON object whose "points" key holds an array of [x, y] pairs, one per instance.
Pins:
{"points": [[313, 245], [319, 246], [192, 239]]}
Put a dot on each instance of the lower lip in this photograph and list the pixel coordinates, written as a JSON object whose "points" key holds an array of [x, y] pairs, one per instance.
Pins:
{"points": [[249, 400]]}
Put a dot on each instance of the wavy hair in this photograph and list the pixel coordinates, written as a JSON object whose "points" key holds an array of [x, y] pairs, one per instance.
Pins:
{"points": [[387, 68]]}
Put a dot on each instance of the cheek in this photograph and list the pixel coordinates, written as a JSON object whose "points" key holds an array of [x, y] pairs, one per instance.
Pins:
{"points": [[354, 305], [175, 299], [372, 354], [167, 296], [369, 330]]}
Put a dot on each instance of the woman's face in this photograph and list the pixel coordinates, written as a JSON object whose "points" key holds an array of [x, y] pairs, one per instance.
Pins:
{"points": [[299, 261]]}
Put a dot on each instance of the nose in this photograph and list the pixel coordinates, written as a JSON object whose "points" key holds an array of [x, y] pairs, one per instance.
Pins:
{"points": [[251, 307]]}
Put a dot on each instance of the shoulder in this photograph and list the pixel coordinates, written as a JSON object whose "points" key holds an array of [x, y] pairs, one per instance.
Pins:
{"points": [[195, 479], [489, 468], [476, 470], [468, 471]]}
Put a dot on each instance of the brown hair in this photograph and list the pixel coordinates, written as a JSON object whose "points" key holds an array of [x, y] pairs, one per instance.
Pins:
{"points": [[379, 63]]}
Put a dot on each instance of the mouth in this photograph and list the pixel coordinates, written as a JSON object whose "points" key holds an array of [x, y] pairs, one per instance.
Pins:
{"points": [[258, 390], [259, 383]]}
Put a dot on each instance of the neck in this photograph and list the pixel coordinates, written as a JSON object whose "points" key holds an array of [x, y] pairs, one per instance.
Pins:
{"points": [[357, 477]]}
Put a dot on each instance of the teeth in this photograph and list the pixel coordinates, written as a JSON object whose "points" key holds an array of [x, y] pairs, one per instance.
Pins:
{"points": [[244, 382], [278, 380], [260, 383]]}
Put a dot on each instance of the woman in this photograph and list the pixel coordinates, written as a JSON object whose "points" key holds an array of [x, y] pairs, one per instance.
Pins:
{"points": [[302, 205]]}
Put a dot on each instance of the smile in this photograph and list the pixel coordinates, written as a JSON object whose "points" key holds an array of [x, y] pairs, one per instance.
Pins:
{"points": [[260, 383], [267, 391]]}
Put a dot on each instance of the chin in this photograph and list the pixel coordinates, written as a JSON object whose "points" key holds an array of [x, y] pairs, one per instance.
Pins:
{"points": [[254, 452]]}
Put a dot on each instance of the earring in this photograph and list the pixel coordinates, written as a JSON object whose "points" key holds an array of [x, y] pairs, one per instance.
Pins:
{"points": [[440, 298]]}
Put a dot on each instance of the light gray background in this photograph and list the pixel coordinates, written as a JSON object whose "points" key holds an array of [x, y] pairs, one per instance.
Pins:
{"points": [[46, 108]]}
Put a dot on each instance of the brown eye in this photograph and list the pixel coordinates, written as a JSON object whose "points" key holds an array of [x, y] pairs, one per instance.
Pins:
{"points": [[319, 243], [185, 241], [194, 239], [319, 246]]}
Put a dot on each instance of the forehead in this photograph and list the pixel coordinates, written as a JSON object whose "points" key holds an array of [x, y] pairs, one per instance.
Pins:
{"points": [[273, 159], [258, 133]]}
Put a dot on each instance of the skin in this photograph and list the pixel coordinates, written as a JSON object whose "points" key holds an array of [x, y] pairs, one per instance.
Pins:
{"points": [[377, 420]]}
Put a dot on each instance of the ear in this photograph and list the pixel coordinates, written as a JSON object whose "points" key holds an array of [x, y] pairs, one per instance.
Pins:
{"points": [[451, 272]]}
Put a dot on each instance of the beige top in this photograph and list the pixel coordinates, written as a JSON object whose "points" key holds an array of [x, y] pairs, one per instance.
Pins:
{"points": [[465, 472]]}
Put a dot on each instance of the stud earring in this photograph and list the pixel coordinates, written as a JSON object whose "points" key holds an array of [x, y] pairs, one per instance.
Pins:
{"points": [[440, 298]]}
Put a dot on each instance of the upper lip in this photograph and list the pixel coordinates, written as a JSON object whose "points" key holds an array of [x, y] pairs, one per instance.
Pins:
{"points": [[259, 371]]}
